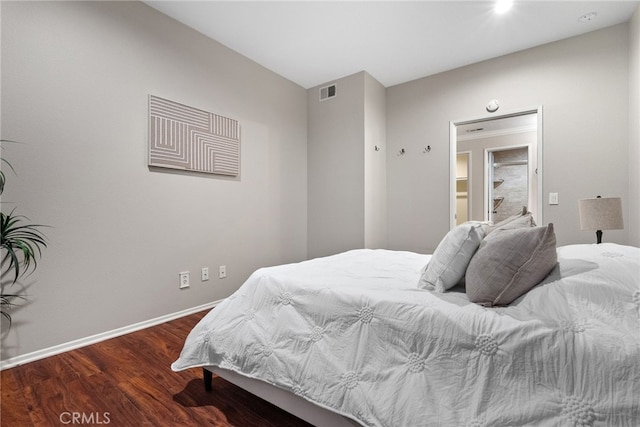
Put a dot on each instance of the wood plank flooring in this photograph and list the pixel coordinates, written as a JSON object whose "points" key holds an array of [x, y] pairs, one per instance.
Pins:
{"points": [[128, 381]]}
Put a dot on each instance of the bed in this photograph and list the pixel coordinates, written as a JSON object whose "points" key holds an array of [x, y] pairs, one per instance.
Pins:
{"points": [[365, 337]]}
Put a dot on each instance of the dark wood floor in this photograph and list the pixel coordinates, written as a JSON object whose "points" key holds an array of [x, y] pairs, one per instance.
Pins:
{"points": [[127, 381]]}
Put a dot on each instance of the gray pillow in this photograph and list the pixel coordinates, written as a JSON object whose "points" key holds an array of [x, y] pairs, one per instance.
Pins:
{"points": [[509, 263], [524, 219], [450, 259]]}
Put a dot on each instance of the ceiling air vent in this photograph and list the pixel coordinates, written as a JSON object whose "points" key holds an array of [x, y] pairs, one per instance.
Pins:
{"points": [[327, 92]]}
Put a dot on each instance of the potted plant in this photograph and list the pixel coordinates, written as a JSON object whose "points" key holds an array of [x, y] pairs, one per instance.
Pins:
{"points": [[21, 244]]}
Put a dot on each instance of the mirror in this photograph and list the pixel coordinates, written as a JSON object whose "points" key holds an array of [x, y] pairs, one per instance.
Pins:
{"points": [[496, 167]]}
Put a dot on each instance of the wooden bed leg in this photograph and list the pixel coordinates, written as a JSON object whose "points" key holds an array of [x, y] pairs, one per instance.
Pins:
{"points": [[208, 379]]}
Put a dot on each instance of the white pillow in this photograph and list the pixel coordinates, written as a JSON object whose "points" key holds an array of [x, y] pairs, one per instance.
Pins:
{"points": [[449, 261]]}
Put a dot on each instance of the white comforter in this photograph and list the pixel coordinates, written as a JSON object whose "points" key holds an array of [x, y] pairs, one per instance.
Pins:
{"points": [[353, 333]]}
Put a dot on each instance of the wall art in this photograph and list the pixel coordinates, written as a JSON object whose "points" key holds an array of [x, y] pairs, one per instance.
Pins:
{"points": [[190, 139]]}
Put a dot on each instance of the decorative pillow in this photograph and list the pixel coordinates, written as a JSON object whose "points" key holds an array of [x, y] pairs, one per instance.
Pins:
{"points": [[524, 219], [450, 259], [509, 263]]}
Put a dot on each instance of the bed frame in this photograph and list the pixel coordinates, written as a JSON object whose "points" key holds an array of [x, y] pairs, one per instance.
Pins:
{"points": [[290, 402]]}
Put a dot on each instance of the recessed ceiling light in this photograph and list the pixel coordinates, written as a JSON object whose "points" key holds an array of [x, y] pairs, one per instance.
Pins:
{"points": [[588, 17], [503, 6]]}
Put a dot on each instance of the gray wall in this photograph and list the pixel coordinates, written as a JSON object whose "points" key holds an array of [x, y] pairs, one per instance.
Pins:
{"points": [[336, 168], [582, 84], [346, 176], [375, 164], [75, 81], [633, 219]]}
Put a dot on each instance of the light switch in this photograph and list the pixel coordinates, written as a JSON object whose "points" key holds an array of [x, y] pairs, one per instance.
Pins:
{"points": [[553, 198]]}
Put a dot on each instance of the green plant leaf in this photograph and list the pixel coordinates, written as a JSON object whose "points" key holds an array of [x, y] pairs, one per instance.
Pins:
{"points": [[6, 162], [22, 242]]}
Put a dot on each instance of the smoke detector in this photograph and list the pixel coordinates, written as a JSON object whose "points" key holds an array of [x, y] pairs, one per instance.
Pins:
{"points": [[588, 17]]}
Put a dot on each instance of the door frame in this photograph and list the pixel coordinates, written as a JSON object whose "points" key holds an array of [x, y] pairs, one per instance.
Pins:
{"points": [[488, 178], [538, 172]]}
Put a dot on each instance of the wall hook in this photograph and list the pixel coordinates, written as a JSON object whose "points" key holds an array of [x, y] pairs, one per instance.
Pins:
{"points": [[427, 149], [401, 152], [375, 147]]}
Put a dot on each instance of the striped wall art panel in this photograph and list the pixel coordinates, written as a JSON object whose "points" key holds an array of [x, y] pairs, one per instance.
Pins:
{"points": [[186, 138]]}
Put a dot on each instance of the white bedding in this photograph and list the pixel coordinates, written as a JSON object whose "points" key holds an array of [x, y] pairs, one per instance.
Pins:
{"points": [[353, 333]]}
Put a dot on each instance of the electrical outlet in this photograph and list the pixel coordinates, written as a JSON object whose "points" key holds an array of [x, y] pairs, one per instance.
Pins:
{"points": [[184, 279], [553, 198], [205, 274], [222, 271]]}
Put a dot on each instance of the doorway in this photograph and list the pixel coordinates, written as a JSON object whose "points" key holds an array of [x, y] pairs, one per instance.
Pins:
{"points": [[463, 178], [508, 179], [510, 134]]}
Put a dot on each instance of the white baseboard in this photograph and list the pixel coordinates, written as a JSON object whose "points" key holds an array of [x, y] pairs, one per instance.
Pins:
{"points": [[82, 342]]}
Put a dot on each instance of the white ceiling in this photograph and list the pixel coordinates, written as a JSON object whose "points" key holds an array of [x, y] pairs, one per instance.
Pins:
{"points": [[315, 42]]}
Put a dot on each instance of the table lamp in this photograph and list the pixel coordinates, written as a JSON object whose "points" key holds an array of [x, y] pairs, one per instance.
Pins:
{"points": [[601, 213]]}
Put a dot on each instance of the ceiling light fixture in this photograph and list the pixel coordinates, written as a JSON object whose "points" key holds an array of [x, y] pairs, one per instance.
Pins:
{"points": [[502, 6]]}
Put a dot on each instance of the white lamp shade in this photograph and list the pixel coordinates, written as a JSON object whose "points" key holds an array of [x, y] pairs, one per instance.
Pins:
{"points": [[601, 213]]}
